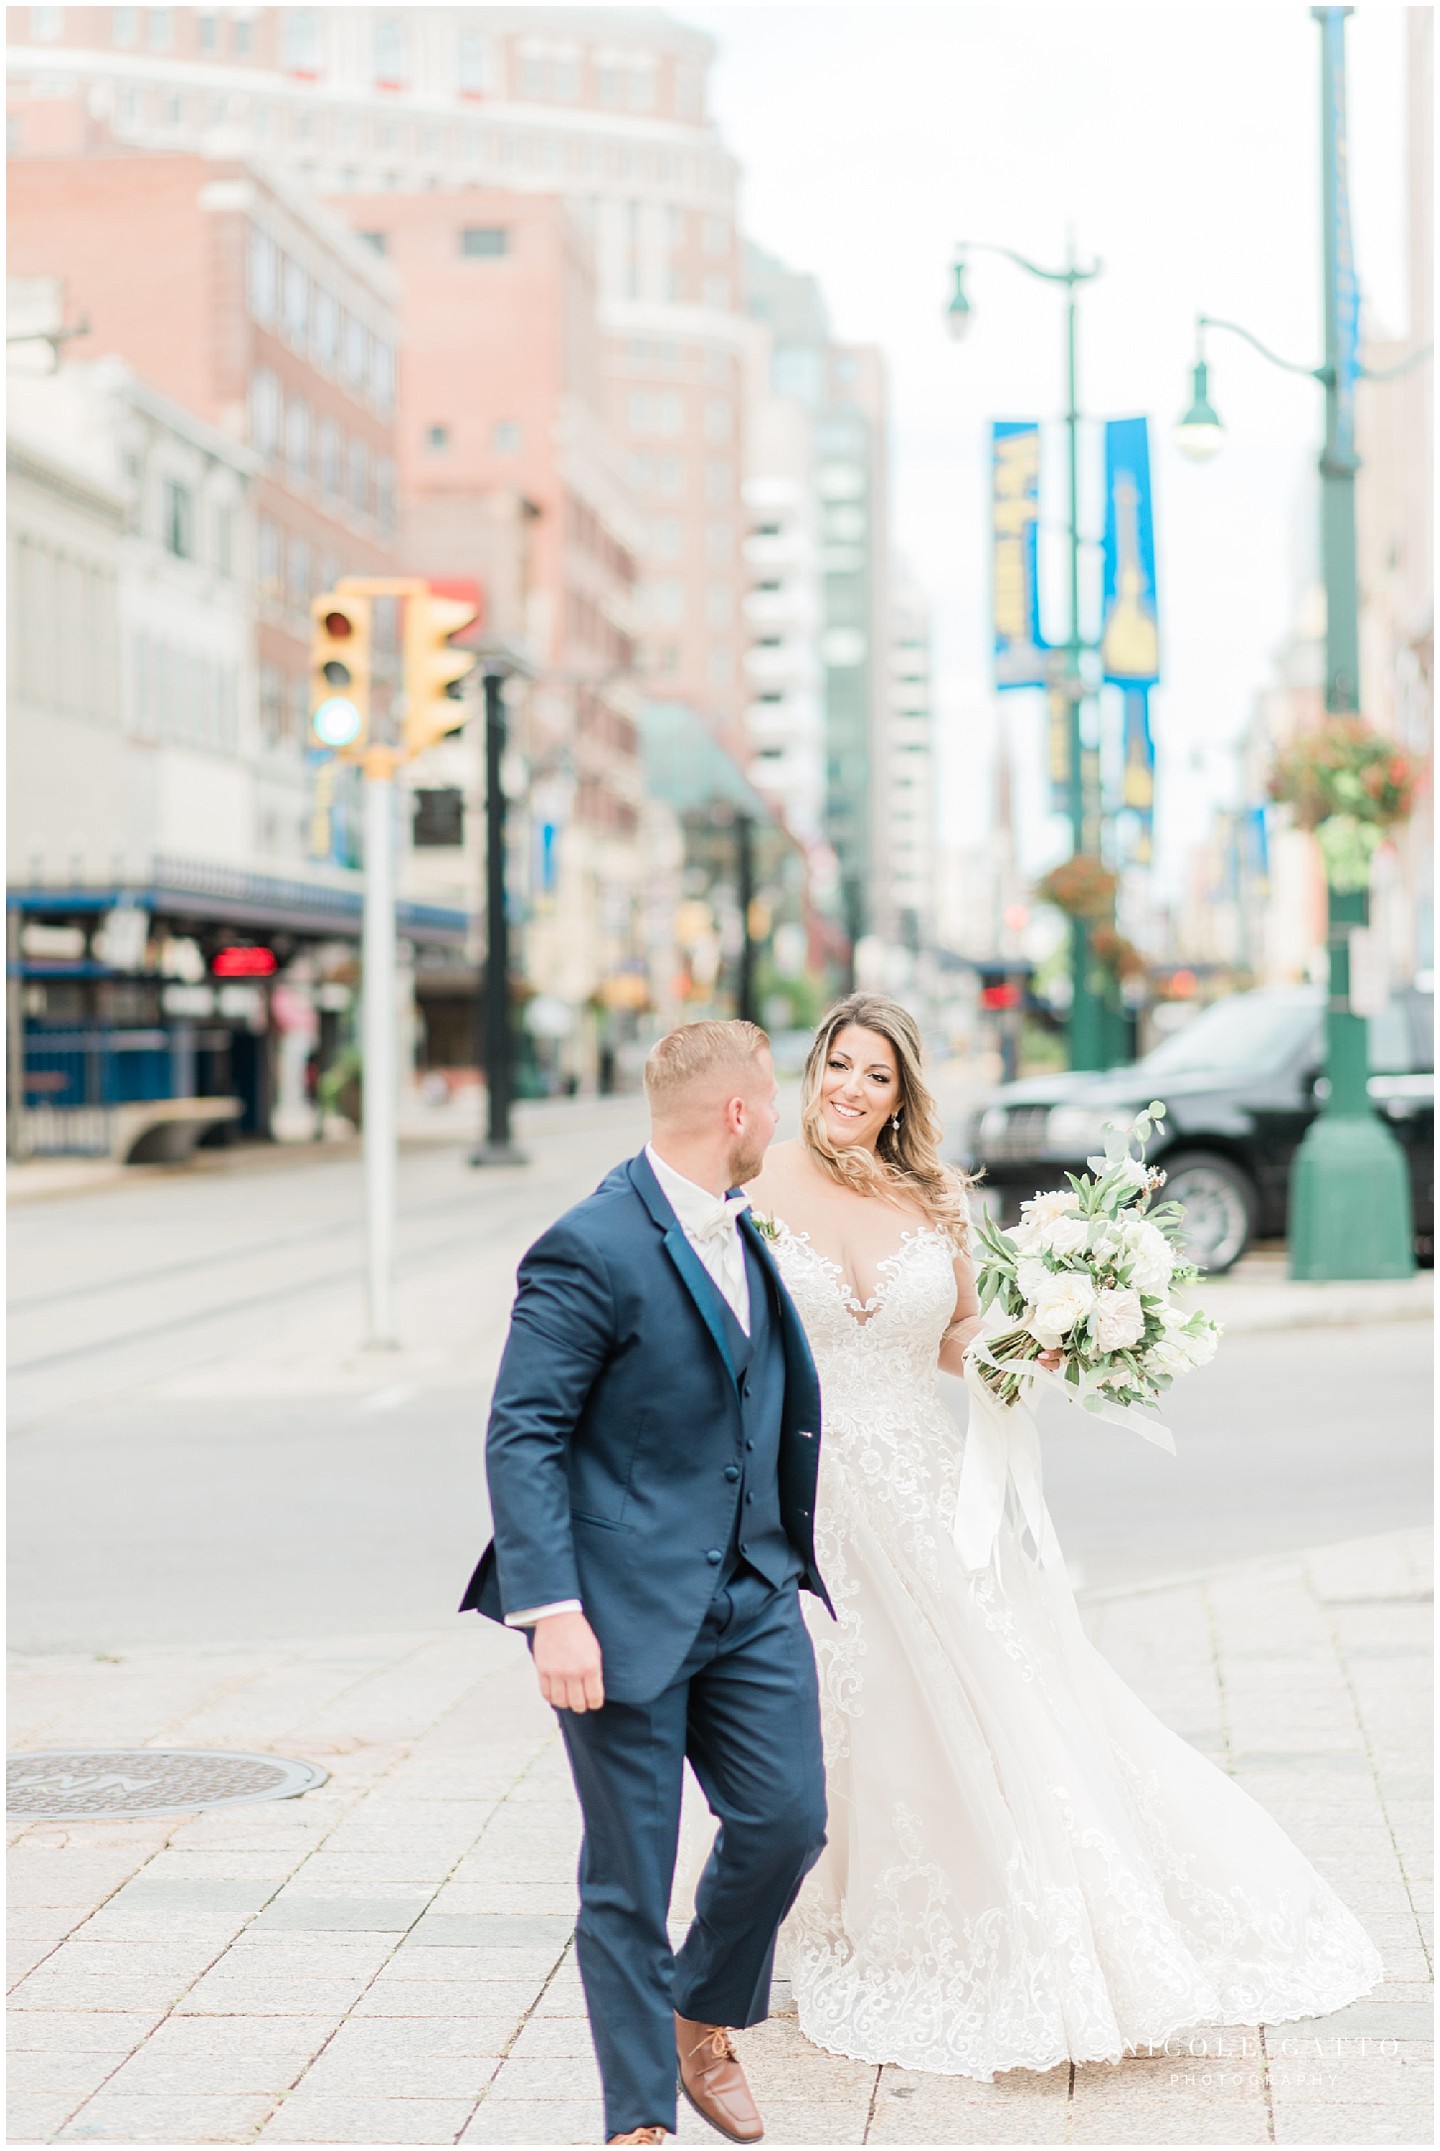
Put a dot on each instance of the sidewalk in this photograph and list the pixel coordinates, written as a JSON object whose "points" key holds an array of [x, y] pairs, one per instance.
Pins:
{"points": [[388, 1959]]}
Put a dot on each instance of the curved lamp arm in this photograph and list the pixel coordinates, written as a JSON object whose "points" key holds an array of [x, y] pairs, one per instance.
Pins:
{"points": [[1406, 365], [1209, 321], [1072, 275]]}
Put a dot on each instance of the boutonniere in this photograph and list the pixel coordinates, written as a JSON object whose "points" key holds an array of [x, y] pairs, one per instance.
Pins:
{"points": [[767, 1227]]}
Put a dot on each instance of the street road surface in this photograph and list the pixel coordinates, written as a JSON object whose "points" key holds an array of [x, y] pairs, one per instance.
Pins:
{"points": [[204, 1453]]}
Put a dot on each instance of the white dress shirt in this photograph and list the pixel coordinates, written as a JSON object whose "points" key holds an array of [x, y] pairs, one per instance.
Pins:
{"points": [[709, 1224]]}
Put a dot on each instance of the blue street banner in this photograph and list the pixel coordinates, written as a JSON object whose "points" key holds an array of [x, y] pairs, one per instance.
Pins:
{"points": [[1137, 774], [1129, 632], [1020, 655], [1342, 240]]}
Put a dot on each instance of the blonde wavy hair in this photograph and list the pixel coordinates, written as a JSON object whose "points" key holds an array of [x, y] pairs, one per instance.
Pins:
{"points": [[906, 1162]]}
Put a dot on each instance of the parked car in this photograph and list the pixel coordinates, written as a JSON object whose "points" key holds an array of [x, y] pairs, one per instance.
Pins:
{"points": [[1241, 1083]]}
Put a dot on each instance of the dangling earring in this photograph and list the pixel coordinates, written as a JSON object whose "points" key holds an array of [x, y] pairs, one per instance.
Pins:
{"points": [[895, 1123]]}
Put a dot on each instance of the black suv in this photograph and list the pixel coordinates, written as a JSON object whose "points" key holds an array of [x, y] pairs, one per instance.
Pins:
{"points": [[1241, 1083]]}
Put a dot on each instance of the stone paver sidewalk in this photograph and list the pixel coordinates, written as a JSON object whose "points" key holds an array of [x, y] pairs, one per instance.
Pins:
{"points": [[388, 1960]]}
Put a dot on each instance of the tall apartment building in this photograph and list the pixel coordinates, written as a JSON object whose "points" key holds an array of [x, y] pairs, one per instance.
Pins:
{"points": [[910, 765], [843, 391], [511, 476], [603, 106]]}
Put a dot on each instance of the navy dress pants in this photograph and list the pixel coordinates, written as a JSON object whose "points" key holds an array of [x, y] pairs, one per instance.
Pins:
{"points": [[744, 1708]]}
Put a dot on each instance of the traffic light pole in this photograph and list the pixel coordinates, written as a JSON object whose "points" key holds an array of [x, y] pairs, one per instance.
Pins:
{"points": [[378, 1042], [497, 1045]]}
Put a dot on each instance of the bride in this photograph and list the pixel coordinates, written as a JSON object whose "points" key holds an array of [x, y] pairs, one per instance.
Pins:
{"points": [[1024, 1866]]}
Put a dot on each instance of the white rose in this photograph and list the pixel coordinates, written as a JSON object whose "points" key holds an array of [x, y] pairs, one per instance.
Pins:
{"points": [[1200, 1344], [1127, 1173], [1032, 1277], [1065, 1299], [1039, 1210], [1150, 1256], [1118, 1320], [1064, 1235], [1166, 1357]]}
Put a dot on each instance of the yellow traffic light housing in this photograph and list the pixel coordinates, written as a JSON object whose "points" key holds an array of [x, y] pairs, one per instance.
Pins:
{"points": [[340, 672], [434, 669]]}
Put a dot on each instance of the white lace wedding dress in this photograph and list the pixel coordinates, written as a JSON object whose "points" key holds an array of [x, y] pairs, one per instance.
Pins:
{"points": [[1024, 1866]]}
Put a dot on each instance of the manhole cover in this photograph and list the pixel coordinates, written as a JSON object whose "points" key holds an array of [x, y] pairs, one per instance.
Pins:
{"points": [[71, 1783]]}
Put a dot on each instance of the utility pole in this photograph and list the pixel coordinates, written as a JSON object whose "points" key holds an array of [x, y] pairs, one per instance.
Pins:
{"points": [[378, 1045], [497, 1043]]}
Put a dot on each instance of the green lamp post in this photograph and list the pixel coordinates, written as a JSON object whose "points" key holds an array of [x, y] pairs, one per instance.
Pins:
{"points": [[1350, 1192], [1087, 1024]]}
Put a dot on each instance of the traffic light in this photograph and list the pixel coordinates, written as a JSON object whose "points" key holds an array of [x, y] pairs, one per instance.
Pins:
{"points": [[340, 671], [434, 669]]}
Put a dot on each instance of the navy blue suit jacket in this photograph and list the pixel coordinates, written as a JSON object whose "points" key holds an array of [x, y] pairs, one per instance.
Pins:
{"points": [[615, 1414]]}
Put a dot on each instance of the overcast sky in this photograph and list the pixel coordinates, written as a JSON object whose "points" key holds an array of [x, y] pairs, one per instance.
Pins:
{"points": [[1182, 144]]}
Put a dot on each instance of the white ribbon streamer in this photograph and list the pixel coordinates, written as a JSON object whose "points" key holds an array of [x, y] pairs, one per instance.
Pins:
{"points": [[1002, 1450]]}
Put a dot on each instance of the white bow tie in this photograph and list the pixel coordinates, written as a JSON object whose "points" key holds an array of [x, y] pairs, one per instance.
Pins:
{"points": [[719, 1223]]}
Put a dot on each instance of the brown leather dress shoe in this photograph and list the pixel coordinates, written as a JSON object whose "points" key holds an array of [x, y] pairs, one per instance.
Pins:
{"points": [[640, 2136], [714, 2082]]}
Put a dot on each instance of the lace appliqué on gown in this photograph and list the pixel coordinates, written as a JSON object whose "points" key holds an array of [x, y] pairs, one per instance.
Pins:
{"points": [[1024, 1865]]}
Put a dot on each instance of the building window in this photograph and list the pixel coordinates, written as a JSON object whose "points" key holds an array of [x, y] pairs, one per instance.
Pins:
{"points": [[484, 241], [271, 704], [330, 457], [385, 495], [263, 276], [124, 26], [719, 542], [657, 411], [264, 412], [717, 419], [379, 242], [669, 477], [437, 438], [207, 33], [359, 477], [297, 578], [179, 520], [472, 64], [295, 289], [390, 50], [242, 37], [667, 602], [665, 538], [382, 376], [297, 440], [299, 40], [719, 604], [159, 27], [267, 562], [324, 329], [47, 25], [355, 351], [719, 481], [720, 668], [505, 437]]}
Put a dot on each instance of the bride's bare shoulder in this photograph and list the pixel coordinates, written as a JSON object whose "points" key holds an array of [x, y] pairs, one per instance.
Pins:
{"points": [[785, 1166]]}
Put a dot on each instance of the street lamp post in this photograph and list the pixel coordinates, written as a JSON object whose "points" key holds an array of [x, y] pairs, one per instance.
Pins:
{"points": [[1087, 1014], [1350, 1191], [497, 1029]]}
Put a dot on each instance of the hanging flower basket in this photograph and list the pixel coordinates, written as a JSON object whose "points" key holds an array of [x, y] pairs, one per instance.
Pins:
{"points": [[1115, 955], [1082, 887], [1348, 784]]}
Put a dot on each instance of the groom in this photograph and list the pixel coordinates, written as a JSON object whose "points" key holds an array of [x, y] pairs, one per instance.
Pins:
{"points": [[652, 1460]]}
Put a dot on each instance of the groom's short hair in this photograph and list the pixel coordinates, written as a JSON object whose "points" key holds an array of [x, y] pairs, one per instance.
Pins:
{"points": [[683, 1057]]}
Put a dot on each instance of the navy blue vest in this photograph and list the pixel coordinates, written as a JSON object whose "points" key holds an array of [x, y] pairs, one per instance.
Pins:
{"points": [[758, 1535]]}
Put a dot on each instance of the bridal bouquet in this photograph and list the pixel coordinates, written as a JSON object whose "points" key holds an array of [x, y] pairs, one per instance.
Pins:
{"points": [[1089, 1272]]}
